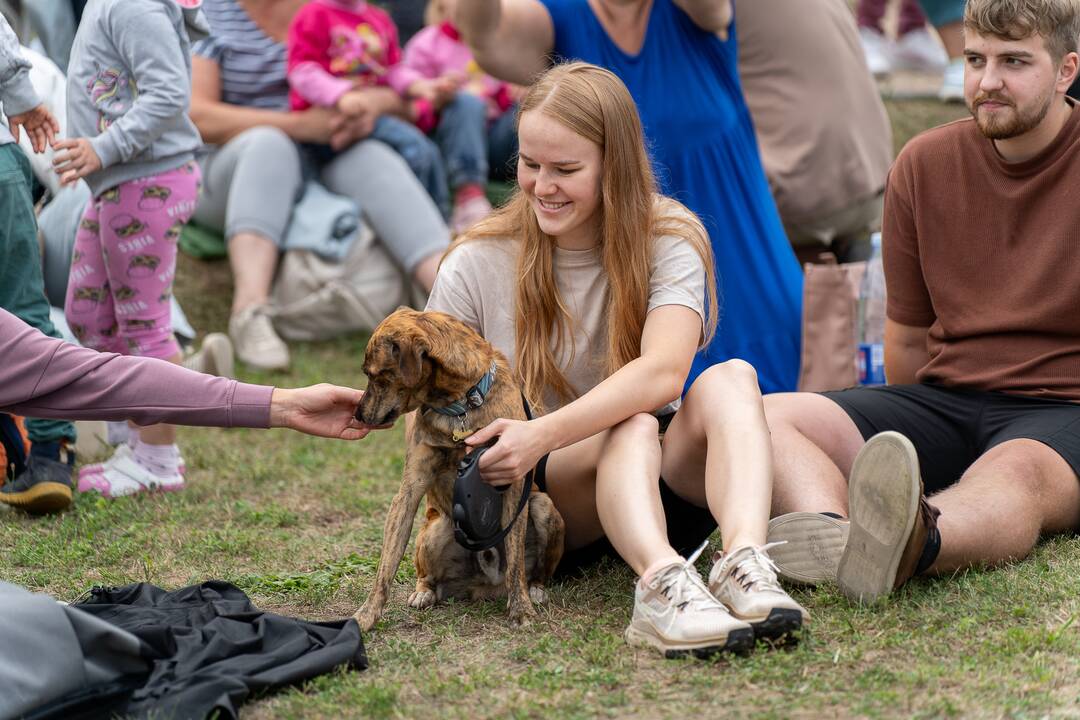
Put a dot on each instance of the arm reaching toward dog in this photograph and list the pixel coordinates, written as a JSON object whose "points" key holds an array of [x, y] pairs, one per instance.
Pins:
{"points": [[49, 378]]}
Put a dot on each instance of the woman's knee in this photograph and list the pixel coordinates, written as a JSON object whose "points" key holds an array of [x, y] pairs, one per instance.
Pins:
{"points": [[721, 385], [638, 430], [267, 141]]}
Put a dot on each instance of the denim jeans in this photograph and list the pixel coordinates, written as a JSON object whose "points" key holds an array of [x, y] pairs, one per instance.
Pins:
{"points": [[22, 287], [473, 148], [421, 155]]}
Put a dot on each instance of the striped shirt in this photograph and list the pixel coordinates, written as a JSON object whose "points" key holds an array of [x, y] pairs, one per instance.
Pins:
{"points": [[253, 65]]}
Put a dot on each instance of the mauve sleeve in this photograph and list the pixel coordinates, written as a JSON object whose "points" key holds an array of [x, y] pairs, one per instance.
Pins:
{"points": [[49, 378]]}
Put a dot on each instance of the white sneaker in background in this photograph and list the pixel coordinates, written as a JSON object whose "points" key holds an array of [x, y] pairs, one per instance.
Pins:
{"points": [[255, 340], [878, 50], [745, 581], [920, 51], [676, 614], [952, 84], [215, 357]]}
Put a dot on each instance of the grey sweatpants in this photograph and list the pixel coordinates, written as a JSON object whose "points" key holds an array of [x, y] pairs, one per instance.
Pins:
{"points": [[251, 183]]}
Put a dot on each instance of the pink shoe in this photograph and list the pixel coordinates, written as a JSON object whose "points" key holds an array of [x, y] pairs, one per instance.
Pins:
{"points": [[468, 212], [121, 449], [122, 475]]}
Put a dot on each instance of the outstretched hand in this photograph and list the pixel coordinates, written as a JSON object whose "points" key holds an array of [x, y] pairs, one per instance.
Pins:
{"points": [[520, 446], [40, 125], [322, 410]]}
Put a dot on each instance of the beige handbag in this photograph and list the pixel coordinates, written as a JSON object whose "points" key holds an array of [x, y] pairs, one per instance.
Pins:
{"points": [[830, 298], [317, 299]]}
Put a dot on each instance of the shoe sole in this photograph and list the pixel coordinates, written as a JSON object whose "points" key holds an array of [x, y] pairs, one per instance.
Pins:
{"points": [[781, 624], [883, 500], [738, 642], [813, 544], [220, 350], [42, 498]]}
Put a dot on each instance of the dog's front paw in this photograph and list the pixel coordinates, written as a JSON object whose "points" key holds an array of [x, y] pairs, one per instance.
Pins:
{"points": [[421, 599], [521, 614], [537, 594], [365, 617]]}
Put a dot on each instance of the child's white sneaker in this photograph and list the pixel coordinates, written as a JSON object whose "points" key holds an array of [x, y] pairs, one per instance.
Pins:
{"points": [[676, 614], [745, 581], [123, 475]]}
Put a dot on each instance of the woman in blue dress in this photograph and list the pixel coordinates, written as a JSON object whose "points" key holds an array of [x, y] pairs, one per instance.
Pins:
{"points": [[681, 70]]}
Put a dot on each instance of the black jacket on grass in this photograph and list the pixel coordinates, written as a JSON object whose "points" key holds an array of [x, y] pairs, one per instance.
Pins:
{"points": [[182, 654]]}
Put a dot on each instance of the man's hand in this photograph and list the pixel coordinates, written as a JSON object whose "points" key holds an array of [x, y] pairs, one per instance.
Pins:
{"points": [[40, 125], [322, 410], [79, 161]]}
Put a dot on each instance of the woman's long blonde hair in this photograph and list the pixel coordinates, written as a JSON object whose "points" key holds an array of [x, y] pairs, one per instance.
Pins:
{"points": [[596, 105]]}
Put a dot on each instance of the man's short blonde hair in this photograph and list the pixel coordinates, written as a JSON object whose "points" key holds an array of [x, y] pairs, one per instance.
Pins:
{"points": [[1057, 21]]}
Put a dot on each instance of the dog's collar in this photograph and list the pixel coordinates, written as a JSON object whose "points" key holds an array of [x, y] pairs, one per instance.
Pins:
{"points": [[474, 396]]}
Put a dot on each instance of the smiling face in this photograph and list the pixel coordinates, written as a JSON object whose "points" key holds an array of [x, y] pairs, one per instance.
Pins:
{"points": [[1009, 85], [559, 171]]}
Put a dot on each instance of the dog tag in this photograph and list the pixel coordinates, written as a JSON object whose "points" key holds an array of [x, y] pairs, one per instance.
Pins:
{"points": [[460, 435]]}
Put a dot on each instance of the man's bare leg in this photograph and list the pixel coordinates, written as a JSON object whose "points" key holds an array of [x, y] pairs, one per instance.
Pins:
{"points": [[1010, 496]]}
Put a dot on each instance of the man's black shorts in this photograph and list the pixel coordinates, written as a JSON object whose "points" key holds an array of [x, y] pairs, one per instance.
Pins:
{"points": [[687, 524], [951, 428]]}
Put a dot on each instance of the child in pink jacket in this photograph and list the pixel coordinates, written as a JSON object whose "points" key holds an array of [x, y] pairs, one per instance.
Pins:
{"points": [[475, 129], [339, 48]]}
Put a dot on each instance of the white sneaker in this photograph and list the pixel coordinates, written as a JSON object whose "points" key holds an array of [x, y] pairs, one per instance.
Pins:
{"points": [[123, 475], [256, 342], [920, 51], [123, 450], [676, 614], [215, 357], [745, 581], [878, 51], [952, 84]]}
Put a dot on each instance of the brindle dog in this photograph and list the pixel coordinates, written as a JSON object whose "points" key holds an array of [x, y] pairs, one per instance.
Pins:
{"points": [[417, 361]]}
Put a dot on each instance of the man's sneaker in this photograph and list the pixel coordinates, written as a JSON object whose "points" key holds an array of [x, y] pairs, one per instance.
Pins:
{"points": [[44, 486], [215, 357], [952, 82], [920, 51], [123, 475], [676, 614], [878, 51], [255, 340], [890, 520], [745, 581], [811, 549]]}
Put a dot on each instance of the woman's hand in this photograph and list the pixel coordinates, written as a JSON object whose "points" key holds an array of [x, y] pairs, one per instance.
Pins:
{"points": [[520, 446], [322, 410], [79, 161]]}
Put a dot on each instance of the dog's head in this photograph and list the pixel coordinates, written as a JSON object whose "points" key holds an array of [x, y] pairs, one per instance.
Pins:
{"points": [[415, 358]]}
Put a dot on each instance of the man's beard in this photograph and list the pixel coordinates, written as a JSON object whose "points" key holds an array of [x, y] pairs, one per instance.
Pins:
{"points": [[1004, 125]]}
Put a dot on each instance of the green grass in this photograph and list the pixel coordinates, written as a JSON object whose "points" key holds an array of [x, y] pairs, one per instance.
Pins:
{"points": [[297, 523]]}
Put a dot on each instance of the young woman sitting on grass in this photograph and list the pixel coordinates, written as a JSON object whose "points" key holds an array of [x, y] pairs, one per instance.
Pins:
{"points": [[599, 291]]}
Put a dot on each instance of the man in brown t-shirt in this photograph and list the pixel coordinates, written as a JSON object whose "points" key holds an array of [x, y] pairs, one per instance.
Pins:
{"points": [[982, 338]]}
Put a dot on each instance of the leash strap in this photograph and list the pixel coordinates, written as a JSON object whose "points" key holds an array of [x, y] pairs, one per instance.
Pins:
{"points": [[479, 546]]}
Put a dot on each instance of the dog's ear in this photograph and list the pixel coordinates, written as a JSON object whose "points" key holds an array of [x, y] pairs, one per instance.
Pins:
{"points": [[411, 361]]}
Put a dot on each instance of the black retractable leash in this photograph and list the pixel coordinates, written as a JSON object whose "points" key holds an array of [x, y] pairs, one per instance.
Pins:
{"points": [[477, 506]]}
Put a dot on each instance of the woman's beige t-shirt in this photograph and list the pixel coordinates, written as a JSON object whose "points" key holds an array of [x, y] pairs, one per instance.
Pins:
{"points": [[477, 284]]}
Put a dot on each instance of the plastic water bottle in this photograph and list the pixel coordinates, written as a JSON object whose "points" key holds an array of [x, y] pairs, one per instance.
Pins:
{"points": [[870, 358]]}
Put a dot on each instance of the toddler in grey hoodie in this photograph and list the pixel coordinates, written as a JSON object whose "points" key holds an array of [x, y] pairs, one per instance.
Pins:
{"points": [[130, 138]]}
